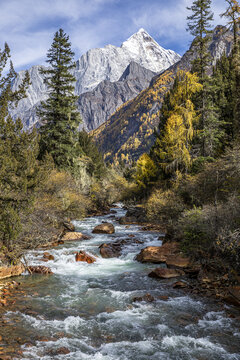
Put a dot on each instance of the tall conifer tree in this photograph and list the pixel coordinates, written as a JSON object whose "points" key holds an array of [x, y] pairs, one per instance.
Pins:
{"points": [[232, 14], [199, 25], [18, 159], [59, 133]]}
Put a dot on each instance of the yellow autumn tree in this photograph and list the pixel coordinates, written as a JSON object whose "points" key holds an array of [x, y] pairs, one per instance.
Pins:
{"points": [[173, 145], [146, 171]]}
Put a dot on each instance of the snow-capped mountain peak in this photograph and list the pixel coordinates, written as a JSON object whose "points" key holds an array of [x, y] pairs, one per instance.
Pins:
{"points": [[152, 56]]}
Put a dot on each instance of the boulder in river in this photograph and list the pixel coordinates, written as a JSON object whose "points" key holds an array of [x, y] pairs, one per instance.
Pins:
{"points": [[74, 236], [165, 273], [157, 254], [83, 256], [147, 297], [110, 250], [105, 228], [48, 256]]}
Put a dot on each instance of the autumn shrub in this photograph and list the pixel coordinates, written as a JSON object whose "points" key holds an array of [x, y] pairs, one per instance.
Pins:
{"points": [[164, 206], [61, 194], [228, 245], [209, 229]]}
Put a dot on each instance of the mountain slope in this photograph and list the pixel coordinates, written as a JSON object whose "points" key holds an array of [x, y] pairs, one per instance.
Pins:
{"points": [[98, 105], [95, 66], [130, 131]]}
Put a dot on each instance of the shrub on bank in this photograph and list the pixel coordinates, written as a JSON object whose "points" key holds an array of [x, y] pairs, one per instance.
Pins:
{"points": [[164, 206]]}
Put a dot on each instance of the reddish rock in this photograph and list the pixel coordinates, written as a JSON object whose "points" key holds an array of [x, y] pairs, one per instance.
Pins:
{"points": [[74, 236], [165, 273], [48, 256], [146, 297], [8, 271], [104, 228], [60, 351], [40, 270], [158, 254], [163, 297], [83, 256]]}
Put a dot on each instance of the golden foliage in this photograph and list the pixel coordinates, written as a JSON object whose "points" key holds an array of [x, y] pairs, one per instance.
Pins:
{"points": [[146, 171]]}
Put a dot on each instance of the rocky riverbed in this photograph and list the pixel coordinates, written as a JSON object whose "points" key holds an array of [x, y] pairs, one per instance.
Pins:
{"points": [[109, 308]]}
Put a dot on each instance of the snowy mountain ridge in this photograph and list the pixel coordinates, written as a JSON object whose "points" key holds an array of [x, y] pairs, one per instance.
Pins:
{"points": [[95, 66]]}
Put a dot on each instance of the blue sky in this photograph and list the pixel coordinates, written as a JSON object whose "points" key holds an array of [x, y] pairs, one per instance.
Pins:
{"points": [[29, 25]]}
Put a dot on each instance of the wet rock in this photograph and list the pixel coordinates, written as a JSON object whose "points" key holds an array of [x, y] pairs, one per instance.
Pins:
{"points": [[138, 213], [110, 250], [74, 236], [44, 270], [157, 254], [185, 319], [153, 227], [113, 212], [163, 297], [84, 257], [165, 273], [114, 249], [105, 228], [180, 285], [193, 270], [48, 256], [8, 271], [128, 220], [60, 351], [178, 261], [147, 297]]}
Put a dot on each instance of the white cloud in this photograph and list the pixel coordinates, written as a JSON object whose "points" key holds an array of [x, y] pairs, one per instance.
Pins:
{"points": [[29, 25]]}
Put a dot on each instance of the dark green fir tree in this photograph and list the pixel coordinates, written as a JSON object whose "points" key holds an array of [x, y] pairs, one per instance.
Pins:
{"points": [[210, 127], [59, 115], [19, 171]]}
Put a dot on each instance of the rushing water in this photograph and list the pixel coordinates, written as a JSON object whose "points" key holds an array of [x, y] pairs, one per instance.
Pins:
{"points": [[88, 308]]}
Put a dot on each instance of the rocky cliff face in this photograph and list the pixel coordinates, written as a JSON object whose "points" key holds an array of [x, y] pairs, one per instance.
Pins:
{"points": [[96, 66], [98, 105], [128, 133]]}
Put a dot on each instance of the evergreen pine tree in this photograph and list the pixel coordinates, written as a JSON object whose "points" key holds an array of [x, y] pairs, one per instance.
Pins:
{"points": [[18, 159], [232, 13], [89, 149], [59, 133], [199, 25]]}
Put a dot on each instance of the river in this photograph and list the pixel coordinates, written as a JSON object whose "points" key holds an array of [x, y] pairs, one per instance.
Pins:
{"points": [[89, 310]]}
